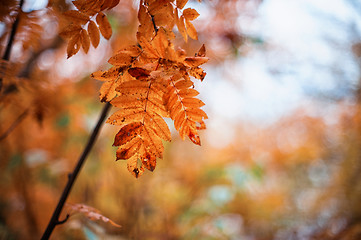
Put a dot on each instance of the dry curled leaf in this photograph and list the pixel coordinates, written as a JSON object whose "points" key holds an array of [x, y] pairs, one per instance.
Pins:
{"points": [[89, 212]]}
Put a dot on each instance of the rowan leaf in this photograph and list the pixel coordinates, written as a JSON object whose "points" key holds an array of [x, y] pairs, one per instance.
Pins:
{"points": [[201, 52], [89, 212], [134, 167], [181, 3], [76, 17], [181, 26], [190, 14], [104, 25], [195, 61], [73, 45], [139, 73], [150, 81], [191, 30], [109, 4], [93, 33], [70, 31], [85, 41]]}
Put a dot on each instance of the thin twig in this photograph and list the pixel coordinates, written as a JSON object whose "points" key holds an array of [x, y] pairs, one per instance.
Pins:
{"points": [[14, 124], [55, 217], [9, 46]]}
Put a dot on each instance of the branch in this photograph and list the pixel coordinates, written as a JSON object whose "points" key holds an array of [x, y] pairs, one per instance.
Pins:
{"points": [[9, 46], [55, 217], [14, 125]]}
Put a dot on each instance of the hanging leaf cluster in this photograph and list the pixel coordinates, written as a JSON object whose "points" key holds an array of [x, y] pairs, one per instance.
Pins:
{"points": [[81, 29], [151, 81]]}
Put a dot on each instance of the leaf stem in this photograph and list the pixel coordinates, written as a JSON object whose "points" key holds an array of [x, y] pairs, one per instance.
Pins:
{"points": [[72, 177]]}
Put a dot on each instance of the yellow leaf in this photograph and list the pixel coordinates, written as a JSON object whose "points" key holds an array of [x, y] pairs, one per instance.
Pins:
{"points": [[104, 25], [93, 33]]}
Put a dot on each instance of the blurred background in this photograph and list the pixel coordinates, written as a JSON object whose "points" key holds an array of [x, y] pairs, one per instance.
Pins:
{"points": [[281, 156]]}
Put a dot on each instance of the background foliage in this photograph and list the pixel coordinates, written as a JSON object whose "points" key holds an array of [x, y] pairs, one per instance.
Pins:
{"points": [[295, 176]]}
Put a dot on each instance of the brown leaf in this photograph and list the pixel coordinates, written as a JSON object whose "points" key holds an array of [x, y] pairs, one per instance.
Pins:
{"points": [[85, 41], [127, 133], [70, 31], [73, 45], [76, 17], [104, 25], [93, 33], [139, 73], [109, 4]]}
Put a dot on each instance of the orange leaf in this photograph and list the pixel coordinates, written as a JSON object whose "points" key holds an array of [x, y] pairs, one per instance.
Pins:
{"points": [[120, 59], [181, 3], [192, 32], [195, 61], [148, 48], [197, 72], [93, 33], [104, 25], [181, 27], [190, 14], [133, 166], [201, 52]]}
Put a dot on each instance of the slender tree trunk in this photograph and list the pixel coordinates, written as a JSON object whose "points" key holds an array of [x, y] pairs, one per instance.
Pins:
{"points": [[72, 177]]}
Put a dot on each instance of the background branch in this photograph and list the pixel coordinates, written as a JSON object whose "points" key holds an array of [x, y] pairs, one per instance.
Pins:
{"points": [[9, 46]]}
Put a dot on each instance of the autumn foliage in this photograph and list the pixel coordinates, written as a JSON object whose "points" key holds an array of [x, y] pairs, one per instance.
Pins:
{"points": [[148, 81]]}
